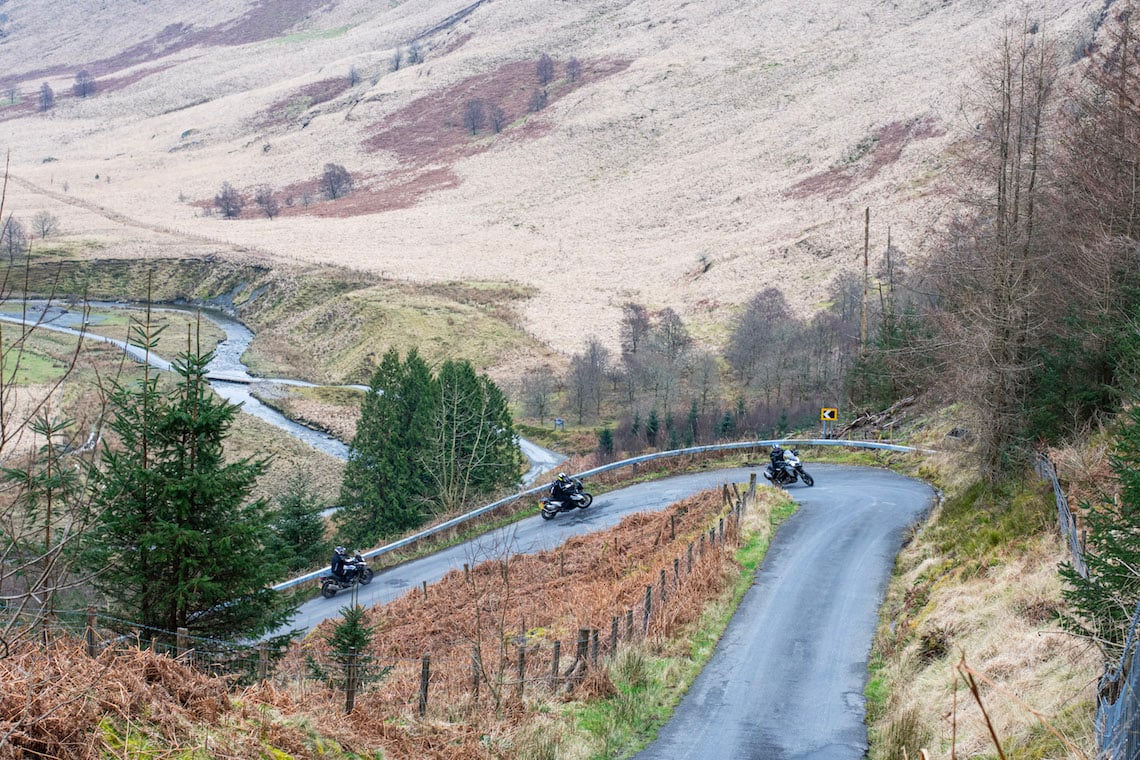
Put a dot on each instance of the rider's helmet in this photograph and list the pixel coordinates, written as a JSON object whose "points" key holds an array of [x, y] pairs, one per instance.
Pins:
{"points": [[776, 449], [563, 477], [340, 550]]}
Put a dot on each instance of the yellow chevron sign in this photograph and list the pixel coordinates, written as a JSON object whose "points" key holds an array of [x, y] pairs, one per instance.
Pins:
{"points": [[828, 414]]}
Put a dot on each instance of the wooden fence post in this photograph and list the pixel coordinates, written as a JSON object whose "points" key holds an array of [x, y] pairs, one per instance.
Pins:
{"points": [[262, 661], [522, 667], [425, 675], [350, 681], [690, 570], [89, 634], [476, 669], [554, 666], [662, 588], [181, 641], [648, 606], [594, 646], [613, 635], [466, 572], [425, 590], [677, 572], [673, 527], [629, 624]]}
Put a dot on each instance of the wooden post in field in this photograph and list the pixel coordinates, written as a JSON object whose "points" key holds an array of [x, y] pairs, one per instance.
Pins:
{"points": [[690, 570], [425, 590], [648, 606], [262, 661], [629, 624], [662, 589], [350, 681], [476, 670], [554, 665], [425, 675], [181, 642], [522, 667], [466, 572], [673, 527], [89, 634], [613, 635], [676, 572]]}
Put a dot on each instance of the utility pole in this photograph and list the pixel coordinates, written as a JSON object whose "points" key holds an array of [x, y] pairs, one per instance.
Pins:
{"points": [[866, 280]]}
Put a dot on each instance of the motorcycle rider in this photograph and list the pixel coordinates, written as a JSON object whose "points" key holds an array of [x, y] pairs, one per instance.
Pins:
{"points": [[563, 489], [341, 567], [778, 462]]}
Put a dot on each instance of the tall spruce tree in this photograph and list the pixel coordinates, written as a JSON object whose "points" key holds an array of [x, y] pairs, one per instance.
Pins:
{"points": [[176, 540], [386, 482], [299, 529]]}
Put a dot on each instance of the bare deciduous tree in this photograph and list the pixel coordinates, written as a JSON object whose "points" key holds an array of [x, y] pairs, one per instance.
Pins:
{"points": [[45, 223], [544, 70], [336, 181], [266, 201], [573, 70], [415, 54], [496, 118], [353, 76], [47, 97], [537, 388], [635, 324], [537, 101], [397, 59], [84, 84], [13, 238], [229, 201], [473, 115]]}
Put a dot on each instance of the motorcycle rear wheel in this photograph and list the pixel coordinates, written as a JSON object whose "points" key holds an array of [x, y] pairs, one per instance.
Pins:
{"points": [[547, 514], [328, 589]]}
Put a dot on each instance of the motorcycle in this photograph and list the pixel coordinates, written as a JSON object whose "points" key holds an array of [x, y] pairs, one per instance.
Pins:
{"points": [[356, 570], [792, 471], [579, 499]]}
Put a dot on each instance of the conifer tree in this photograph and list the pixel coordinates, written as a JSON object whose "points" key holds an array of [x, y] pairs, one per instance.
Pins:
{"points": [[299, 530], [177, 542], [1105, 600], [386, 482]]}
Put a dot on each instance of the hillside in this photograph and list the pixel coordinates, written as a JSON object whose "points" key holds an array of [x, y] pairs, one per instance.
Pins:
{"points": [[704, 151]]}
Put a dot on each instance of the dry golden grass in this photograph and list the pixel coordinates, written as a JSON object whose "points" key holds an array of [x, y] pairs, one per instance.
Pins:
{"points": [[739, 135]]}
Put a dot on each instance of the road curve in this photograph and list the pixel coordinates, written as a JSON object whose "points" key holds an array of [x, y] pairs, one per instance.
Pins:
{"points": [[786, 680]]}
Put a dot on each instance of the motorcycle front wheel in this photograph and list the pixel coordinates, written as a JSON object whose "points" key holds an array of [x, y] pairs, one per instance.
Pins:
{"points": [[808, 479], [365, 576], [328, 589], [587, 500]]}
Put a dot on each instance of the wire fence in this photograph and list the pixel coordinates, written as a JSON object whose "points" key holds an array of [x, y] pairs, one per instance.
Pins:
{"points": [[503, 668], [1118, 691]]}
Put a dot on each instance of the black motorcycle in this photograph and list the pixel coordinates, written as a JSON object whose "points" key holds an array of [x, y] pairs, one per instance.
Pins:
{"points": [[792, 471], [356, 570], [579, 499]]}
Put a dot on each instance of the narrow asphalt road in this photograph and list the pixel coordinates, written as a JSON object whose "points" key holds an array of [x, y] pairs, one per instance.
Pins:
{"points": [[786, 680]]}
